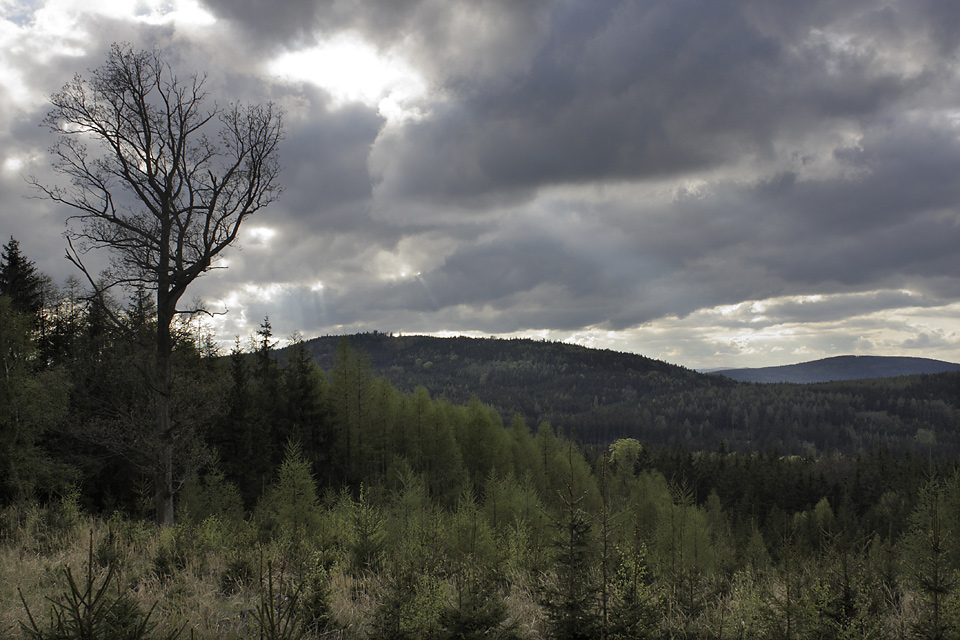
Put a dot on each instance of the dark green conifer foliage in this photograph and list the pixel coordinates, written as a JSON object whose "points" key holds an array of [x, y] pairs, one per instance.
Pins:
{"points": [[305, 416], [350, 383], [62, 323], [20, 281], [230, 435], [30, 402], [926, 548], [570, 600], [265, 436]]}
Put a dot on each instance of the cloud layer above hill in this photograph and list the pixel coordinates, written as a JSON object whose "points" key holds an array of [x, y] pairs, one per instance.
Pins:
{"points": [[712, 182]]}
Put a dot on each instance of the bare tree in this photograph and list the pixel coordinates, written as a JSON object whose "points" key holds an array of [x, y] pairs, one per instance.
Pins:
{"points": [[162, 182]]}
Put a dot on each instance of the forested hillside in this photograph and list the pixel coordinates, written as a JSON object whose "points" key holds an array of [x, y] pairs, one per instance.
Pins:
{"points": [[326, 502], [605, 395]]}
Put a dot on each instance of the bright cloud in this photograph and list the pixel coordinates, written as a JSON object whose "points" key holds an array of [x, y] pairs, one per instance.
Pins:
{"points": [[353, 70]]}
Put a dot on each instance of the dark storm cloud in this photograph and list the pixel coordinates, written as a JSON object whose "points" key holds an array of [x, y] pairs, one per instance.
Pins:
{"points": [[896, 224], [325, 163], [583, 164], [621, 90]]}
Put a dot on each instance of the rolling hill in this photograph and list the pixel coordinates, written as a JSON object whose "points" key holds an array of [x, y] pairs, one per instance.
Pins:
{"points": [[841, 368], [538, 379], [604, 395]]}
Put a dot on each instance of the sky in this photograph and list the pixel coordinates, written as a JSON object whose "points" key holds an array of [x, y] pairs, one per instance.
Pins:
{"points": [[714, 183]]}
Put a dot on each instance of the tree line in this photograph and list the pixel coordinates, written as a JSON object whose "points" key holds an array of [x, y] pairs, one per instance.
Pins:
{"points": [[450, 515], [603, 395]]}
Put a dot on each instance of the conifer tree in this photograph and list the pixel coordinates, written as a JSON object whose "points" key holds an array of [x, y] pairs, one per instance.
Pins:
{"points": [[570, 601], [20, 281], [229, 435], [926, 551], [289, 508], [350, 384], [304, 409], [29, 402]]}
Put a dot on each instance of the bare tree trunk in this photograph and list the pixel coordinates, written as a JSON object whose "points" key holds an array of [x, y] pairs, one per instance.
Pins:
{"points": [[163, 389]]}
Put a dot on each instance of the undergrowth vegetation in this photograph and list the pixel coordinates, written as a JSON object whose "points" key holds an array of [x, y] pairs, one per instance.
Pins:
{"points": [[645, 561]]}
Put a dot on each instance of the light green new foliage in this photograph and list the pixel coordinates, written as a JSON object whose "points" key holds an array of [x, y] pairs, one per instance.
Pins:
{"points": [[502, 500], [624, 454], [683, 541], [755, 553], [634, 611], [686, 557], [367, 537], [469, 538], [649, 497], [211, 495], [750, 609], [413, 595], [289, 509], [414, 525]]}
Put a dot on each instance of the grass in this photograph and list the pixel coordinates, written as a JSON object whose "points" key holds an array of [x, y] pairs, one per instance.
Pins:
{"points": [[206, 580], [213, 581]]}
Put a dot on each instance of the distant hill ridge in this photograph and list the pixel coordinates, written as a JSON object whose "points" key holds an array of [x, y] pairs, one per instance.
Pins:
{"points": [[841, 368], [604, 395], [541, 380]]}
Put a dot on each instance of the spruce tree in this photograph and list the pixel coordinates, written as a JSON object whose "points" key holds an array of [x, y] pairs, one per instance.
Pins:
{"points": [[570, 601], [20, 281], [304, 407], [926, 552]]}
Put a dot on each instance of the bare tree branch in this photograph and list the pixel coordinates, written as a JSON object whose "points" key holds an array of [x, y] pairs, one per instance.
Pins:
{"points": [[162, 182]]}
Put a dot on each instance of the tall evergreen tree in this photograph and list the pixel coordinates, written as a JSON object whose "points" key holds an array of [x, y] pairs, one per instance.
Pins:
{"points": [[926, 550], [20, 281], [305, 416], [264, 439], [571, 600], [351, 381]]}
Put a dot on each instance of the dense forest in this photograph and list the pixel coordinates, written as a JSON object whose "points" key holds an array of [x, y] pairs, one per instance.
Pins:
{"points": [[603, 395], [332, 502]]}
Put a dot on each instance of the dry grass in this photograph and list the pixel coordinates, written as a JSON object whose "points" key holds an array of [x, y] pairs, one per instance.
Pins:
{"points": [[189, 577], [189, 598]]}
